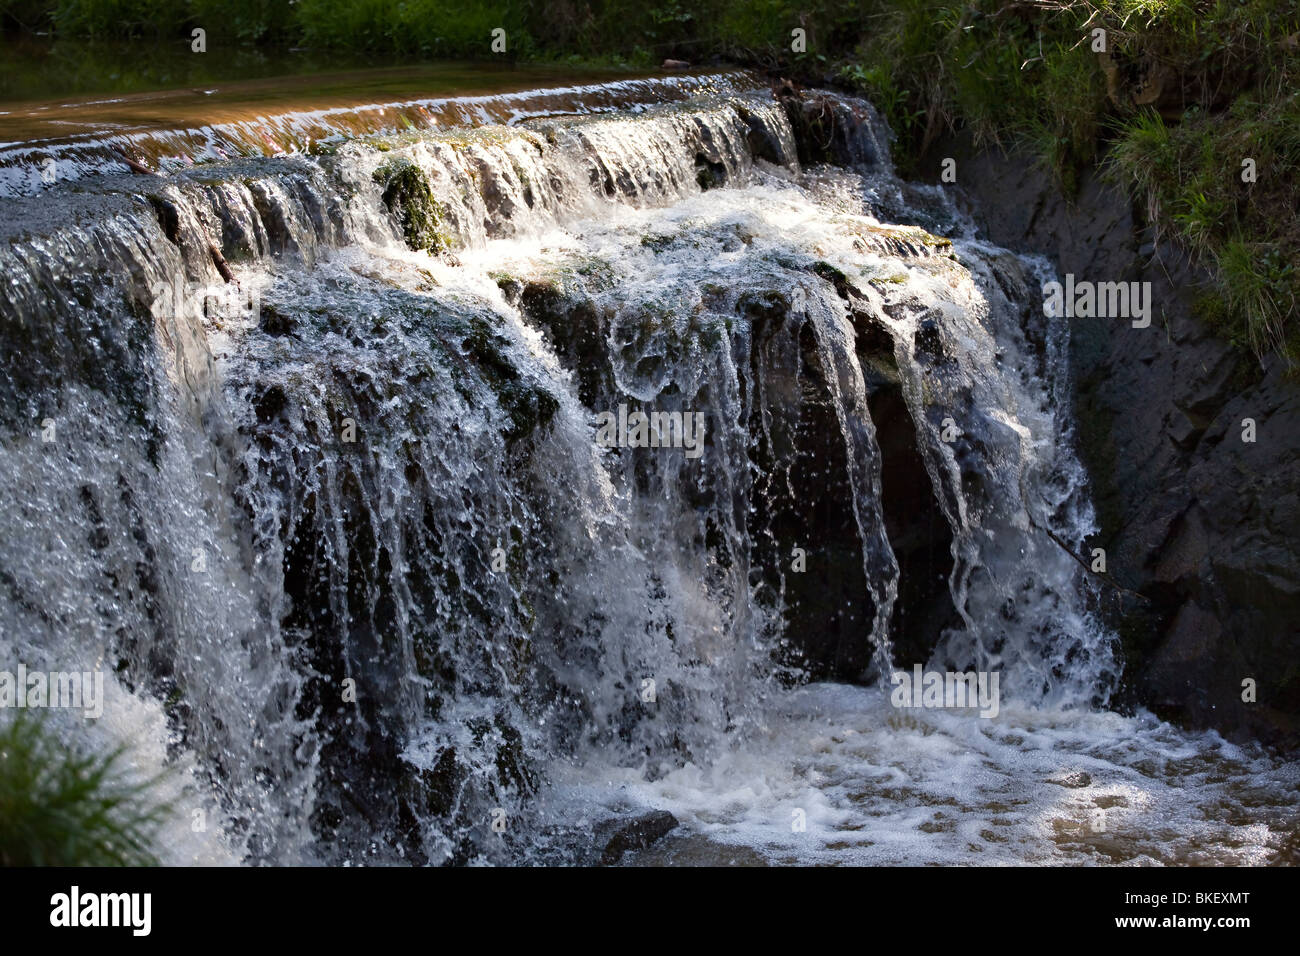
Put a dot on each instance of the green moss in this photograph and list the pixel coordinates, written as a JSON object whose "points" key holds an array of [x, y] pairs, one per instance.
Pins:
{"points": [[320, 147], [831, 274], [408, 196]]}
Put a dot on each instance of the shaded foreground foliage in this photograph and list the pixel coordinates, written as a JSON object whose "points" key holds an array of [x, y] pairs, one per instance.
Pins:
{"points": [[63, 808]]}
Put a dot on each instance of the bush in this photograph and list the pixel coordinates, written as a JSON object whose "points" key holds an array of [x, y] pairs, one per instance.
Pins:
{"points": [[431, 28], [119, 18]]}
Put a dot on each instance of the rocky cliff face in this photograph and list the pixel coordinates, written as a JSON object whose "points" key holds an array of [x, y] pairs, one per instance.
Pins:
{"points": [[1201, 523]]}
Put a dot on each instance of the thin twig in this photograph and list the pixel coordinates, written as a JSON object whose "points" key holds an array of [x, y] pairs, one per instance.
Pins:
{"points": [[135, 166]]}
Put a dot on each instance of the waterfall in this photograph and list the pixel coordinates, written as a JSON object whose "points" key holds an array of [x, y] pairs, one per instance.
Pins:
{"points": [[301, 451]]}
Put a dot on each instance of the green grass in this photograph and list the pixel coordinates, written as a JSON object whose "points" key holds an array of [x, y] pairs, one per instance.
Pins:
{"points": [[1189, 174], [62, 808], [1185, 90]]}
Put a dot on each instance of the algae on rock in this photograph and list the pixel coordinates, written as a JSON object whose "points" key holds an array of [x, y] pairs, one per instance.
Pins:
{"points": [[408, 196]]}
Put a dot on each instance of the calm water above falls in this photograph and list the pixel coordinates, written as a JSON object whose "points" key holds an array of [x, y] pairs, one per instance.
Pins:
{"points": [[387, 460]]}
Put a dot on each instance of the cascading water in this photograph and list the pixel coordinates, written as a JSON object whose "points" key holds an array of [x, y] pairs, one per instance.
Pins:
{"points": [[343, 534]]}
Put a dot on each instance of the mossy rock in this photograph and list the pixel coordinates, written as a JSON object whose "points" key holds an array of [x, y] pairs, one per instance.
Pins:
{"points": [[324, 147], [528, 406], [408, 197]]}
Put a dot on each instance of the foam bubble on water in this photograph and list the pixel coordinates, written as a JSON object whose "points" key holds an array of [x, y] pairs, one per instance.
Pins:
{"points": [[885, 786]]}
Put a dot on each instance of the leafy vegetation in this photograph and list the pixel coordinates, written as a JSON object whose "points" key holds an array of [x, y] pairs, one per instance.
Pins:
{"points": [[1174, 100], [1191, 176], [63, 808]]}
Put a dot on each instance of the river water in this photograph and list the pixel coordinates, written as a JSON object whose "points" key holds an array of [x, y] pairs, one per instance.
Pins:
{"points": [[333, 513]]}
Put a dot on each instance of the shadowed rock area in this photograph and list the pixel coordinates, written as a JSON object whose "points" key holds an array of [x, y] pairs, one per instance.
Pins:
{"points": [[1203, 525]]}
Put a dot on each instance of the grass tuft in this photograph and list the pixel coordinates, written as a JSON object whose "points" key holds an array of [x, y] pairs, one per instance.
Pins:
{"points": [[63, 808]]}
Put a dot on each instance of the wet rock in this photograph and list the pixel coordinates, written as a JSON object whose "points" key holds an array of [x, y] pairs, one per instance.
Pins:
{"points": [[829, 612], [637, 834], [927, 338], [577, 330], [918, 532], [511, 289], [408, 197], [275, 321], [1073, 781], [272, 218], [761, 138], [709, 174], [168, 218], [1201, 523], [832, 129]]}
